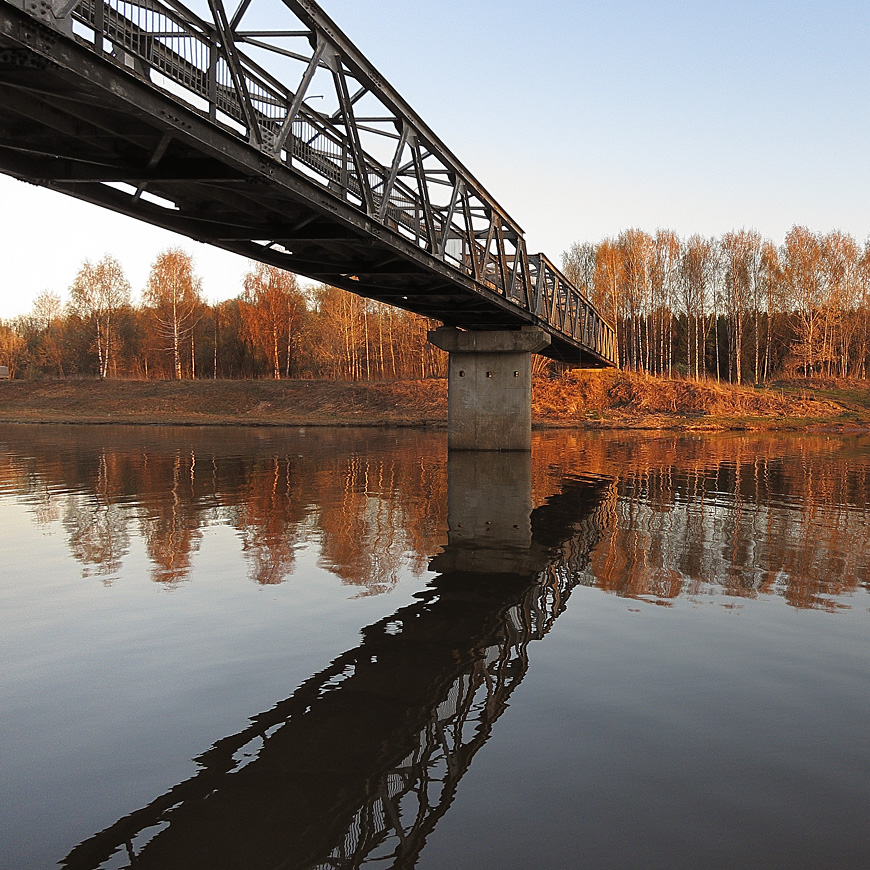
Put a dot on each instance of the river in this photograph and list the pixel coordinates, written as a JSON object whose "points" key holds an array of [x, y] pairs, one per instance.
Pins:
{"points": [[330, 648]]}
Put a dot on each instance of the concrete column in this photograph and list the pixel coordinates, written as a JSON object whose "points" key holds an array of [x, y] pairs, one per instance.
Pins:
{"points": [[489, 387]]}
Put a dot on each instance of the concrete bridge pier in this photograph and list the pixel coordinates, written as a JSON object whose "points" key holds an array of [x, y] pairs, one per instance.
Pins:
{"points": [[489, 386]]}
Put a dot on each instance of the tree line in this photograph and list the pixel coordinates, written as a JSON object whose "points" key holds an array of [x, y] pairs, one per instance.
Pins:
{"points": [[738, 307], [275, 328]]}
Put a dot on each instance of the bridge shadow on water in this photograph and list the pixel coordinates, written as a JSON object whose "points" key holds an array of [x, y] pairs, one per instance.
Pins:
{"points": [[365, 757]]}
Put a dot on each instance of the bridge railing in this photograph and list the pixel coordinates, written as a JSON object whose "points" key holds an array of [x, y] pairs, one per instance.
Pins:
{"points": [[305, 96]]}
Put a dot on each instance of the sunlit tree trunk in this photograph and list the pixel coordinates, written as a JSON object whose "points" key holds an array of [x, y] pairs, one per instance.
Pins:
{"points": [[173, 295], [216, 314], [97, 294]]}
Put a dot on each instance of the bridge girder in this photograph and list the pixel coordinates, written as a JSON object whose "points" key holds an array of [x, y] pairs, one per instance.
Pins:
{"points": [[149, 109]]}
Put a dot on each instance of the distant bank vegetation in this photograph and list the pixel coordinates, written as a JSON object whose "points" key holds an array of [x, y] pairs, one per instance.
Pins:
{"points": [[275, 328], [583, 399], [736, 309]]}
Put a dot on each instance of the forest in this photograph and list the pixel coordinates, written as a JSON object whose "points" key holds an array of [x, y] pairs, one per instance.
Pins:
{"points": [[275, 328], [735, 308]]}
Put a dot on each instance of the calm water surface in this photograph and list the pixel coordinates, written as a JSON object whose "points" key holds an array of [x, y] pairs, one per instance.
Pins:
{"points": [[332, 648]]}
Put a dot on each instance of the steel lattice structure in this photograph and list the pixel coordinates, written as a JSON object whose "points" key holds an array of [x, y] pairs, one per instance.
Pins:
{"points": [[284, 145]]}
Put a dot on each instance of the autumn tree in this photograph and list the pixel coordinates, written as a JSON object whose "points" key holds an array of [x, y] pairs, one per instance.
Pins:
{"points": [[804, 305], [47, 319], [770, 288], [741, 253], [663, 280], [578, 264], [862, 339], [11, 347], [97, 294], [842, 311], [340, 327], [174, 296], [696, 274], [609, 283], [272, 310], [326, 356], [637, 249], [804, 280]]}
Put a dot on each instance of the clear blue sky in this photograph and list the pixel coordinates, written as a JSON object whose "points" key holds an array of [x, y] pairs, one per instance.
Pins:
{"points": [[582, 119]]}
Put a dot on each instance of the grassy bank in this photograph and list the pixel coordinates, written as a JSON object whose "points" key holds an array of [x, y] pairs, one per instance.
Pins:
{"points": [[611, 399], [585, 399], [264, 403]]}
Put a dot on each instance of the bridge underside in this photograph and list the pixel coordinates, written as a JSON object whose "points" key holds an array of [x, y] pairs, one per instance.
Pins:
{"points": [[72, 123]]}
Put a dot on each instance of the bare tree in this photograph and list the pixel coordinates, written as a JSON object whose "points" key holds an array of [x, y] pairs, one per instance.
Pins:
{"points": [[804, 281], [863, 338], [666, 258], [11, 347], [637, 248], [47, 312], [174, 297], [46, 308], [579, 264], [842, 312], [771, 278], [741, 253], [697, 268], [96, 295], [609, 282]]}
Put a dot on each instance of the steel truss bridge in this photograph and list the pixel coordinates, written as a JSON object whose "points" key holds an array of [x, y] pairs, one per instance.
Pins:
{"points": [[362, 761], [265, 131]]}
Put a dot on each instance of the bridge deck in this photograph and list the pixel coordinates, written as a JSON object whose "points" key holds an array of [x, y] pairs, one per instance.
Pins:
{"points": [[149, 110]]}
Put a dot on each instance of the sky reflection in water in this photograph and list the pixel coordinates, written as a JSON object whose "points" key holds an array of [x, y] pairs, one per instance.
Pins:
{"points": [[377, 603]]}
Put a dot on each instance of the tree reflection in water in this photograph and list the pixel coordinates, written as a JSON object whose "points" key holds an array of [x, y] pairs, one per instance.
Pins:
{"points": [[372, 506], [734, 515], [361, 762], [740, 515], [96, 526]]}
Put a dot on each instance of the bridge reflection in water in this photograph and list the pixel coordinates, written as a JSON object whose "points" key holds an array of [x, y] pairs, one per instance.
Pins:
{"points": [[365, 757]]}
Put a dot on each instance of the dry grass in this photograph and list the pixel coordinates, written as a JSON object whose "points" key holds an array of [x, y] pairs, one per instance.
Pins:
{"points": [[263, 403], [577, 399], [608, 398]]}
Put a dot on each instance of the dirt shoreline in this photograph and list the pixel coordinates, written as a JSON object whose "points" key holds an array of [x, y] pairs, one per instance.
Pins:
{"points": [[584, 400]]}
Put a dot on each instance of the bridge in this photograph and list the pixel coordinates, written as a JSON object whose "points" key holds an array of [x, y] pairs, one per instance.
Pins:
{"points": [[285, 145], [360, 763]]}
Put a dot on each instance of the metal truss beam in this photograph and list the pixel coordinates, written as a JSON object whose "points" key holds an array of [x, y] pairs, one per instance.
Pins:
{"points": [[294, 114]]}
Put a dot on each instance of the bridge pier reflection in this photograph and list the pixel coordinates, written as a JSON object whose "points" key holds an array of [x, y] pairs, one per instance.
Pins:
{"points": [[364, 758], [489, 506], [489, 386]]}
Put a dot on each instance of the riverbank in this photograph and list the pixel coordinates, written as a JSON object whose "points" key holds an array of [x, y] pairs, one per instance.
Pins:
{"points": [[582, 399]]}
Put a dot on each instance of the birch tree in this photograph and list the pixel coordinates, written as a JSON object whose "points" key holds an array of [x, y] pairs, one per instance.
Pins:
{"points": [[272, 310], [804, 281], [741, 253], [609, 281], [697, 266], [97, 294], [174, 297], [47, 315], [666, 258]]}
